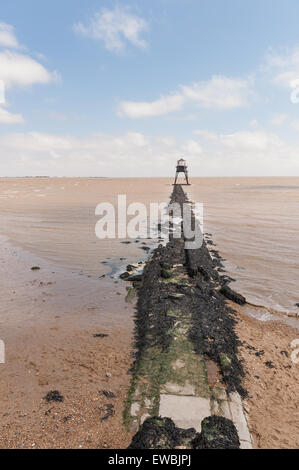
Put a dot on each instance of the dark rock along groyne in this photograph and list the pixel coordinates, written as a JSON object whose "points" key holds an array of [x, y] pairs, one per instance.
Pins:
{"points": [[185, 344]]}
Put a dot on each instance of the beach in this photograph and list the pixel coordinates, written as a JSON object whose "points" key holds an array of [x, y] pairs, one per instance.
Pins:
{"points": [[271, 381], [50, 329], [51, 318]]}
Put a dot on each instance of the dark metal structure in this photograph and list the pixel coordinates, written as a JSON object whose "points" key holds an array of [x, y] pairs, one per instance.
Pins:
{"points": [[182, 167]]}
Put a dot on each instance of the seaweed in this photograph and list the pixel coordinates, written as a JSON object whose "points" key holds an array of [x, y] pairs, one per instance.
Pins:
{"points": [[217, 433], [180, 286], [54, 395], [161, 433]]}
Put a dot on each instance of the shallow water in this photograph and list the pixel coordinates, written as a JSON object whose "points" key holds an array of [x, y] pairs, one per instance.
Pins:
{"points": [[254, 223]]}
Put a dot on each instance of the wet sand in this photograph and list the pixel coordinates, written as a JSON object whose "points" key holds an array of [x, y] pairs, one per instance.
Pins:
{"points": [[48, 322]]}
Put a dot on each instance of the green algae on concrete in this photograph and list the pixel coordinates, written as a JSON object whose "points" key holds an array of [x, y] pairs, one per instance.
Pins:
{"points": [[156, 372]]}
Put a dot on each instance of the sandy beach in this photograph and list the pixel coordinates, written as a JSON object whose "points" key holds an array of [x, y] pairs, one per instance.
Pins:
{"points": [[149, 201], [271, 381], [50, 318], [49, 328]]}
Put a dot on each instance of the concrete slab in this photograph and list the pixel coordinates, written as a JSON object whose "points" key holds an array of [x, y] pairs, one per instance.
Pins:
{"points": [[221, 409], [235, 398], [220, 394], [178, 364], [135, 409], [186, 412], [245, 445], [143, 418], [148, 403], [239, 421], [176, 389]]}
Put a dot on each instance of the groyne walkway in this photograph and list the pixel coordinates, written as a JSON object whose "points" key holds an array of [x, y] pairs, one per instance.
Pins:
{"points": [[186, 387]]}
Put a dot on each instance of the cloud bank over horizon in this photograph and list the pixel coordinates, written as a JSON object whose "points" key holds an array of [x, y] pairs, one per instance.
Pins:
{"points": [[248, 153]]}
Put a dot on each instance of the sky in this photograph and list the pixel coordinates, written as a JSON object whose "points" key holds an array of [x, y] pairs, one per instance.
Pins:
{"points": [[124, 89]]}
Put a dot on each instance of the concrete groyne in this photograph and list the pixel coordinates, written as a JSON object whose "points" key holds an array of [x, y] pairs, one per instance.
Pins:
{"points": [[186, 387]]}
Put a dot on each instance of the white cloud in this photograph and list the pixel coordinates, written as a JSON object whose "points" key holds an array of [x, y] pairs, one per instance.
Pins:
{"points": [[254, 123], [134, 154], [295, 125], [164, 105], [2, 92], [130, 154], [116, 28], [217, 93], [250, 140], [19, 69], [249, 153], [279, 119], [8, 118], [285, 67], [7, 36], [58, 116], [205, 134], [192, 147], [242, 141]]}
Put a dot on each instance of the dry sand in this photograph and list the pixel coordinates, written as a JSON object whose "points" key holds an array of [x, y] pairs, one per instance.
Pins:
{"points": [[273, 403], [79, 366]]}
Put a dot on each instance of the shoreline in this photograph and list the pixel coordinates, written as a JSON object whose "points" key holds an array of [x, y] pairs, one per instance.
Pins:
{"points": [[28, 423], [49, 319]]}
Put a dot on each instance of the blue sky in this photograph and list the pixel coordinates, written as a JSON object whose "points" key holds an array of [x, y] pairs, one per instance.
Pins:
{"points": [[124, 88]]}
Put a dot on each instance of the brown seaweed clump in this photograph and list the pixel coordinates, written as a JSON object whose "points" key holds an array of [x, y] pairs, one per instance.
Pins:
{"points": [[161, 433], [217, 433]]}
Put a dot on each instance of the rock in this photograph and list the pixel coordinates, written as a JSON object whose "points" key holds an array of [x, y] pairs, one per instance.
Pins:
{"points": [[285, 353], [260, 353], [100, 335], [175, 296], [270, 365], [107, 393], [135, 278], [297, 305], [124, 276], [227, 292], [107, 411], [130, 268], [35, 268], [144, 248]]}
